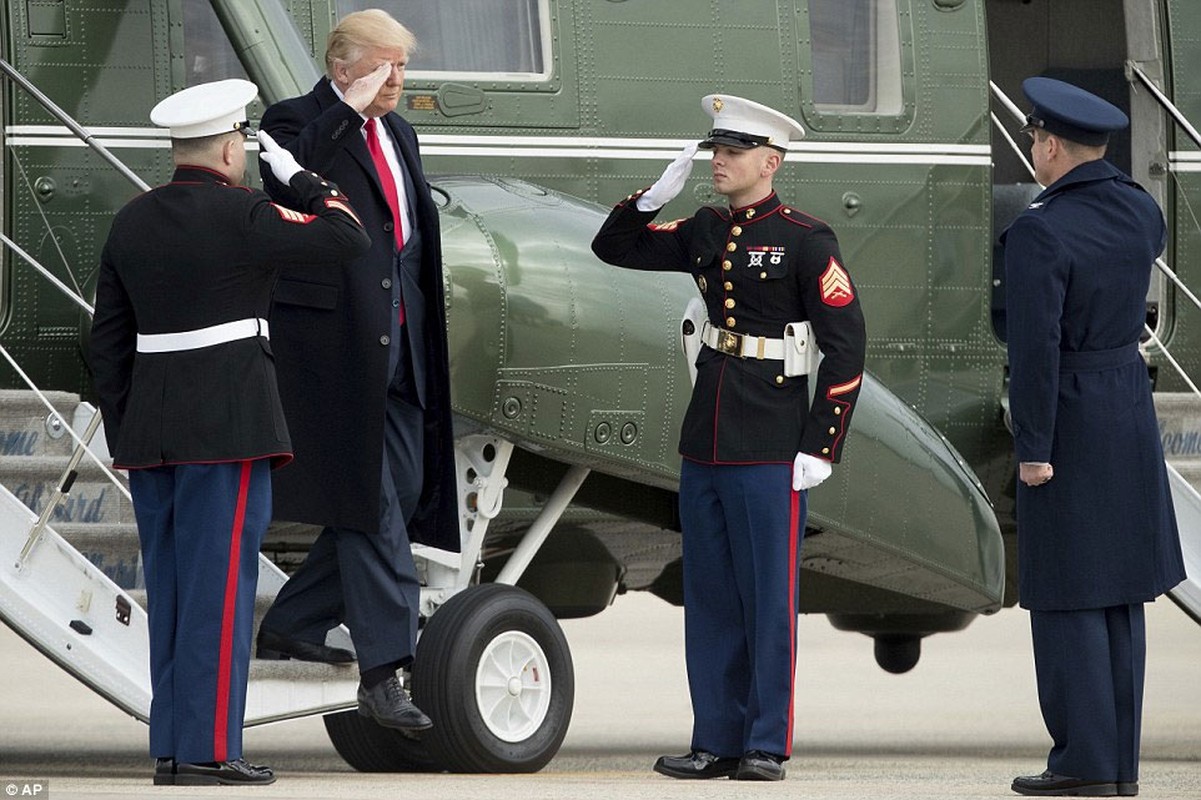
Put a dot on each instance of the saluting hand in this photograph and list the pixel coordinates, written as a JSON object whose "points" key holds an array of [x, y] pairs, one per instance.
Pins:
{"points": [[283, 163], [362, 92], [670, 183]]}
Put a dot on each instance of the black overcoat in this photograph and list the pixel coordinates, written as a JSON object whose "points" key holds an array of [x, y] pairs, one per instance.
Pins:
{"points": [[191, 254], [329, 332], [1078, 264], [758, 268]]}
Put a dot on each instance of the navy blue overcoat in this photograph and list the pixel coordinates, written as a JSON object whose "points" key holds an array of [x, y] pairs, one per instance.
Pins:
{"points": [[1078, 264]]}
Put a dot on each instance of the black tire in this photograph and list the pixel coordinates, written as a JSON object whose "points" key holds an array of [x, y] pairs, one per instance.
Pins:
{"points": [[496, 619], [368, 747]]}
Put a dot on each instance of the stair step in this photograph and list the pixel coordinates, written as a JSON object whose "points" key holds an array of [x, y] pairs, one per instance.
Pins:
{"points": [[28, 428], [1179, 416], [93, 498]]}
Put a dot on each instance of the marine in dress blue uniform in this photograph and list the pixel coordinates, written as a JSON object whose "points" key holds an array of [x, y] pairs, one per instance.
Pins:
{"points": [[364, 376], [182, 363], [751, 442], [1097, 532]]}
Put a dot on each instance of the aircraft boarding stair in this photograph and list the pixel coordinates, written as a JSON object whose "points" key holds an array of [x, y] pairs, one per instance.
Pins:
{"points": [[1180, 430], [77, 593]]}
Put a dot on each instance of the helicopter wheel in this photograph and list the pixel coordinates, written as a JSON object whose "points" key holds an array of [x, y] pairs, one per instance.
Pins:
{"points": [[494, 673]]}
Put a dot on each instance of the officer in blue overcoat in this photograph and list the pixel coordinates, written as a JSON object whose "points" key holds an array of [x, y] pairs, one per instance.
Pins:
{"points": [[751, 441], [182, 364], [1097, 533]]}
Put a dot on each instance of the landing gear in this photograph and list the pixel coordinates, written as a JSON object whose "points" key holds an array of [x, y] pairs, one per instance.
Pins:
{"points": [[493, 671], [368, 747]]}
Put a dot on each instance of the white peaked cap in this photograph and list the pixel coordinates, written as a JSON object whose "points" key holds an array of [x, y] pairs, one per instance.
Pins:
{"points": [[206, 109], [739, 122]]}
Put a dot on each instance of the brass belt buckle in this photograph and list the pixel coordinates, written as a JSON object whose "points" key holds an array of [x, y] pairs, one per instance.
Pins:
{"points": [[729, 343]]}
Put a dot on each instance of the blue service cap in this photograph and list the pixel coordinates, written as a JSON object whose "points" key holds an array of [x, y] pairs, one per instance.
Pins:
{"points": [[1069, 111]]}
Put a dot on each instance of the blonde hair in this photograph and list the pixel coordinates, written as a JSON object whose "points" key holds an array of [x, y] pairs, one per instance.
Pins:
{"points": [[361, 30]]}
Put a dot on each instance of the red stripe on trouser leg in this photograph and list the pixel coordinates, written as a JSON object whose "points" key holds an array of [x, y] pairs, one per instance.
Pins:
{"points": [[794, 515], [229, 611]]}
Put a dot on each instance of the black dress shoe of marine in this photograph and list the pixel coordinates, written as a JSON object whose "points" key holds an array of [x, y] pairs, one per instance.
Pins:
{"points": [[1127, 788], [389, 706], [274, 647], [697, 765], [757, 765], [164, 772], [1051, 785], [227, 773]]}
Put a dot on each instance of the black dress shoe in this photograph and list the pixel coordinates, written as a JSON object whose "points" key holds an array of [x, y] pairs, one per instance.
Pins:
{"points": [[164, 772], [227, 773], [389, 706], [1051, 785], [274, 647], [757, 765], [697, 765]]}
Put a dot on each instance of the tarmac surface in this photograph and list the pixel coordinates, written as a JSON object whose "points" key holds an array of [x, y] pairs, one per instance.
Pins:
{"points": [[962, 724]]}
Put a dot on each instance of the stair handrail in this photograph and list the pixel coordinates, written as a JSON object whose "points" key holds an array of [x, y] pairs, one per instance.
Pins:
{"points": [[62, 116], [1159, 262], [67, 479]]}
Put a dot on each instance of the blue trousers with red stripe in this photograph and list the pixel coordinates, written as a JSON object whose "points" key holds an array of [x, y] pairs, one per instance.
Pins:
{"points": [[200, 526], [743, 527]]}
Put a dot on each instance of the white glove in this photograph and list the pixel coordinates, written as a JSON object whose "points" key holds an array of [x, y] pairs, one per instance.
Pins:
{"points": [[808, 471], [282, 163], [670, 182]]}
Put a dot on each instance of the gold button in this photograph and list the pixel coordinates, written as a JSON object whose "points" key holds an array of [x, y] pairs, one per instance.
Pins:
{"points": [[729, 302], [825, 451], [727, 266], [729, 322], [701, 282], [729, 286], [737, 231], [837, 410], [833, 431], [779, 379], [731, 247], [762, 276]]}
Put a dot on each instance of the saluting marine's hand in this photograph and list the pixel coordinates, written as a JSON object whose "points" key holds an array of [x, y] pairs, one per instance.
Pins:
{"points": [[283, 164], [360, 93], [808, 471], [670, 183]]}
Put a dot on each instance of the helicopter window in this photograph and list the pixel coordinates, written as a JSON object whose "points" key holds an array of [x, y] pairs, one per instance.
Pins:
{"points": [[856, 56], [208, 55], [482, 39]]}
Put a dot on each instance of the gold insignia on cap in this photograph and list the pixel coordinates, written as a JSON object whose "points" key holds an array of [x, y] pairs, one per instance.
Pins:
{"points": [[717, 104]]}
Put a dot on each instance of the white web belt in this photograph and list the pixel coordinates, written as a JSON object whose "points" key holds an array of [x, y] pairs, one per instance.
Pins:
{"points": [[202, 337]]}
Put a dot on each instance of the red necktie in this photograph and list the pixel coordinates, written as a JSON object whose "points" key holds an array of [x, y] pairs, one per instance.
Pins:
{"points": [[389, 183], [385, 178]]}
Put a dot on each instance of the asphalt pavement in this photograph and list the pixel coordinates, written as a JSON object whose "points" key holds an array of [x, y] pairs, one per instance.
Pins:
{"points": [[962, 724]]}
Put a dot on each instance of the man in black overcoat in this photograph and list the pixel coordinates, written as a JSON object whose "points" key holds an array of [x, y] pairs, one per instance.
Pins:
{"points": [[181, 357], [1097, 532], [363, 373]]}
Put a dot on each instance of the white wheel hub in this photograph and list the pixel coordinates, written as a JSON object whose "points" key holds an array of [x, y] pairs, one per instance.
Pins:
{"points": [[513, 686]]}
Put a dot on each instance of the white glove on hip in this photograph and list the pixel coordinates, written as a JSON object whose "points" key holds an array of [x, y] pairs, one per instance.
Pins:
{"points": [[282, 163], [670, 182], [808, 471]]}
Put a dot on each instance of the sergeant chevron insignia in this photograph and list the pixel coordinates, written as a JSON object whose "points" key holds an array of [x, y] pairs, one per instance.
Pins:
{"points": [[836, 286]]}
